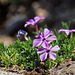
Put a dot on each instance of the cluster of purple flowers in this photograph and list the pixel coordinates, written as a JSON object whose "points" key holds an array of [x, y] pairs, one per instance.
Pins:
{"points": [[44, 39]]}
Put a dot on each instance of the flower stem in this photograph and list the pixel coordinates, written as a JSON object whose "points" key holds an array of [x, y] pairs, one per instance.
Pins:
{"points": [[69, 36], [36, 28], [49, 63]]}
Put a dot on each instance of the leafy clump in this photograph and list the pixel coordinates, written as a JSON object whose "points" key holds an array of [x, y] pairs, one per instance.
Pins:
{"points": [[66, 45], [20, 53]]}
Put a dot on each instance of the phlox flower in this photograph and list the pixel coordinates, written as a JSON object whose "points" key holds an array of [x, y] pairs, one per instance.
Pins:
{"points": [[44, 38], [48, 52], [67, 31], [22, 33], [34, 22]]}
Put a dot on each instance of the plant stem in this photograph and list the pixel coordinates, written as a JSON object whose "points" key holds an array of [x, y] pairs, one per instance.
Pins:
{"points": [[36, 28], [69, 36], [49, 63]]}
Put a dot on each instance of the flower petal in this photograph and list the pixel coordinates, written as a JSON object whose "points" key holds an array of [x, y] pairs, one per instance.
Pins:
{"points": [[37, 18], [30, 22], [37, 42], [44, 44], [51, 33], [22, 32], [43, 17], [25, 25], [40, 35], [67, 31], [51, 38], [41, 50], [43, 56], [73, 30], [49, 47], [46, 32], [55, 48], [52, 56], [18, 35]]}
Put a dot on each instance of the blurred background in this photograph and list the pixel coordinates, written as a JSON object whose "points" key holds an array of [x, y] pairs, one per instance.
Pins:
{"points": [[15, 13]]}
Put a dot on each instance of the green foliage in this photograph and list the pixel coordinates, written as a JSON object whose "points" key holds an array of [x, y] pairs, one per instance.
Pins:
{"points": [[20, 53], [66, 46], [22, 67], [66, 25]]}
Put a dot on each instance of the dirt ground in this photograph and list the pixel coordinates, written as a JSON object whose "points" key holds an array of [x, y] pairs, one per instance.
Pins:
{"points": [[67, 68]]}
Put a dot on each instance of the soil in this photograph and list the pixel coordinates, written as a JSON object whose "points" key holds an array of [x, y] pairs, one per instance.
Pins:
{"points": [[66, 68]]}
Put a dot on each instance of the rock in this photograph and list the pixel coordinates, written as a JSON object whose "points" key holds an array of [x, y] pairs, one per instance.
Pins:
{"points": [[7, 40], [68, 68], [34, 72], [16, 68], [15, 23]]}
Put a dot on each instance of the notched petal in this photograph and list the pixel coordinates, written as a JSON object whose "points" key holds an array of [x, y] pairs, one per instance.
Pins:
{"points": [[37, 42], [55, 48], [41, 50], [52, 56], [43, 56]]}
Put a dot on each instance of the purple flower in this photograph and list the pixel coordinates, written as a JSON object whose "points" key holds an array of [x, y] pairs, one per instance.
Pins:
{"points": [[48, 52], [22, 33], [67, 31], [44, 38], [34, 22]]}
